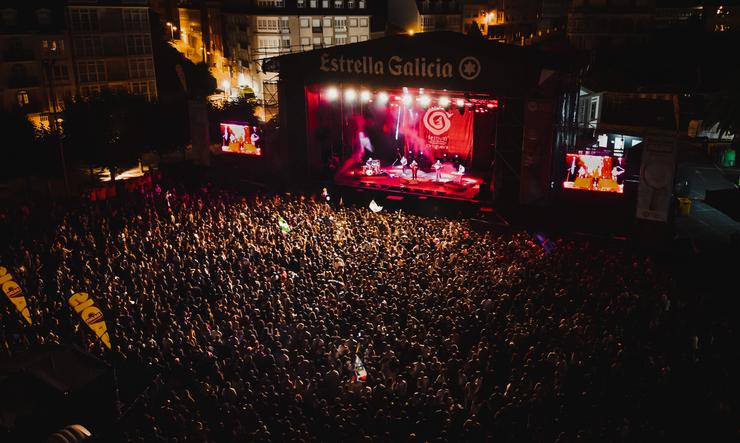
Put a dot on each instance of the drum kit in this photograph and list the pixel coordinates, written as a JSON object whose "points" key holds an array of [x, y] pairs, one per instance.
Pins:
{"points": [[372, 168]]}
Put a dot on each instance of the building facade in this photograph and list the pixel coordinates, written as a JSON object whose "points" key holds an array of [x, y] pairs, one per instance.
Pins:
{"points": [[600, 24], [266, 28], [112, 47], [36, 73], [440, 15]]}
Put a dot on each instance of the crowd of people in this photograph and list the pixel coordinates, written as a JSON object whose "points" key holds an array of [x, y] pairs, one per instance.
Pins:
{"points": [[253, 328]]}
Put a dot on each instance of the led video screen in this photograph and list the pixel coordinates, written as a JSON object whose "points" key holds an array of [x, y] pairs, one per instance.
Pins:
{"points": [[241, 138], [601, 173]]}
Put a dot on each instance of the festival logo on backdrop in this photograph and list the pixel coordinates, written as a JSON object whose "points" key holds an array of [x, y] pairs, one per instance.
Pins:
{"points": [[437, 124]]}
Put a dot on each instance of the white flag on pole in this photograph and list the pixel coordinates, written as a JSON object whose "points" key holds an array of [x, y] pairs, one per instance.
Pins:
{"points": [[374, 207]]}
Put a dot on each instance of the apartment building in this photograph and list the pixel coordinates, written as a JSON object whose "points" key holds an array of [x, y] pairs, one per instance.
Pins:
{"points": [[112, 46], [36, 72], [266, 28], [440, 15]]}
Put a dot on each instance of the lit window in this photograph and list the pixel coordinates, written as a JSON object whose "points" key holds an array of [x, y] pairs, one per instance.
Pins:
{"points": [[22, 98]]}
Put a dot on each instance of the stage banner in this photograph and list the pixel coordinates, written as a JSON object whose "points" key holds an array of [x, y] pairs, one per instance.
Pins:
{"points": [[14, 293], [656, 182], [536, 151], [84, 305], [447, 132]]}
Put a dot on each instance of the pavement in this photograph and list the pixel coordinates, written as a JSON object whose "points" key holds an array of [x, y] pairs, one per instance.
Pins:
{"points": [[705, 226]]}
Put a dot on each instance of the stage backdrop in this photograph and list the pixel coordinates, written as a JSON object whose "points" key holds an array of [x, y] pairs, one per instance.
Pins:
{"points": [[447, 132]]}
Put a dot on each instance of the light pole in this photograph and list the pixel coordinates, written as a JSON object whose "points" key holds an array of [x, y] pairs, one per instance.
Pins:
{"points": [[173, 28], [54, 123]]}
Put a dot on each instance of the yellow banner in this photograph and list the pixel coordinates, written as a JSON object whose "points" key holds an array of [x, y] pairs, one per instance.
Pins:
{"points": [[91, 315], [14, 293]]}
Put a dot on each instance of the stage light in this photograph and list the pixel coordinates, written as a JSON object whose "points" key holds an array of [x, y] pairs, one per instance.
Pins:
{"points": [[444, 102], [408, 99], [350, 95], [490, 106], [424, 100], [460, 102], [382, 98], [332, 93], [365, 96]]}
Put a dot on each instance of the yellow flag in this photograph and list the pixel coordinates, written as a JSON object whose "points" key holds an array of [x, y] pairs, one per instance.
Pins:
{"points": [[84, 305], [14, 293]]}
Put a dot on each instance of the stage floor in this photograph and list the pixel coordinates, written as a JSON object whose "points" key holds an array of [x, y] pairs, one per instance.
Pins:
{"points": [[392, 179]]}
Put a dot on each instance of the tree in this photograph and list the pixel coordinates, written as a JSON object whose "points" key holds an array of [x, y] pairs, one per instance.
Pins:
{"points": [[241, 110], [109, 130], [18, 144]]}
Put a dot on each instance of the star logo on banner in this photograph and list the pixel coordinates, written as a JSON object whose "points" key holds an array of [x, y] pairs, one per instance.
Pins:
{"points": [[469, 68]]}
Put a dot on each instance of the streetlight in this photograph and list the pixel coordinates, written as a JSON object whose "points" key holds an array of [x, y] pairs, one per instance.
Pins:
{"points": [[226, 84], [173, 28]]}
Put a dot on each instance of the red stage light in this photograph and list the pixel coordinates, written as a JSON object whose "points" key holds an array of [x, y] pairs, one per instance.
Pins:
{"points": [[490, 106]]}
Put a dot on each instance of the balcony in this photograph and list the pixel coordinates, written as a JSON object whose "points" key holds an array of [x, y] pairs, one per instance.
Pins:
{"points": [[18, 55]]}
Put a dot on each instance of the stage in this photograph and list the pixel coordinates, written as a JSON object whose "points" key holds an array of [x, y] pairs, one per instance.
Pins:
{"points": [[393, 179]]}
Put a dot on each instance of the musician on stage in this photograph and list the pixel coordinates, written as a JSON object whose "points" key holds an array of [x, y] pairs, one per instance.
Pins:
{"points": [[414, 169], [461, 171], [404, 162], [438, 170]]}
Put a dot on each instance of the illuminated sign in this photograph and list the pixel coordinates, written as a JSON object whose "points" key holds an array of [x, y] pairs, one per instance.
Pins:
{"points": [[469, 67]]}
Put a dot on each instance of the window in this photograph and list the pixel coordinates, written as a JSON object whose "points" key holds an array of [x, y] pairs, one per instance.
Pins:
{"points": [[327, 22], [10, 17], [285, 44], [427, 23], [52, 46], [135, 19], [141, 68], [304, 23], [317, 41], [305, 41], [301, 3], [316, 23], [339, 3], [592, 113], [267, 24], [363, 22], [89, 46], [139, 44], [43, 16], [60, 72], [22, 97], [91, 71], [353, 39], [362, 4], [341, 39], [284, 24], [353, 23], [340, 23], [313, 3], [145, 89], [268, 43], [363, 38], [324, 3], [327, 41], [271, 3], [84, 19], [350, 3]]}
